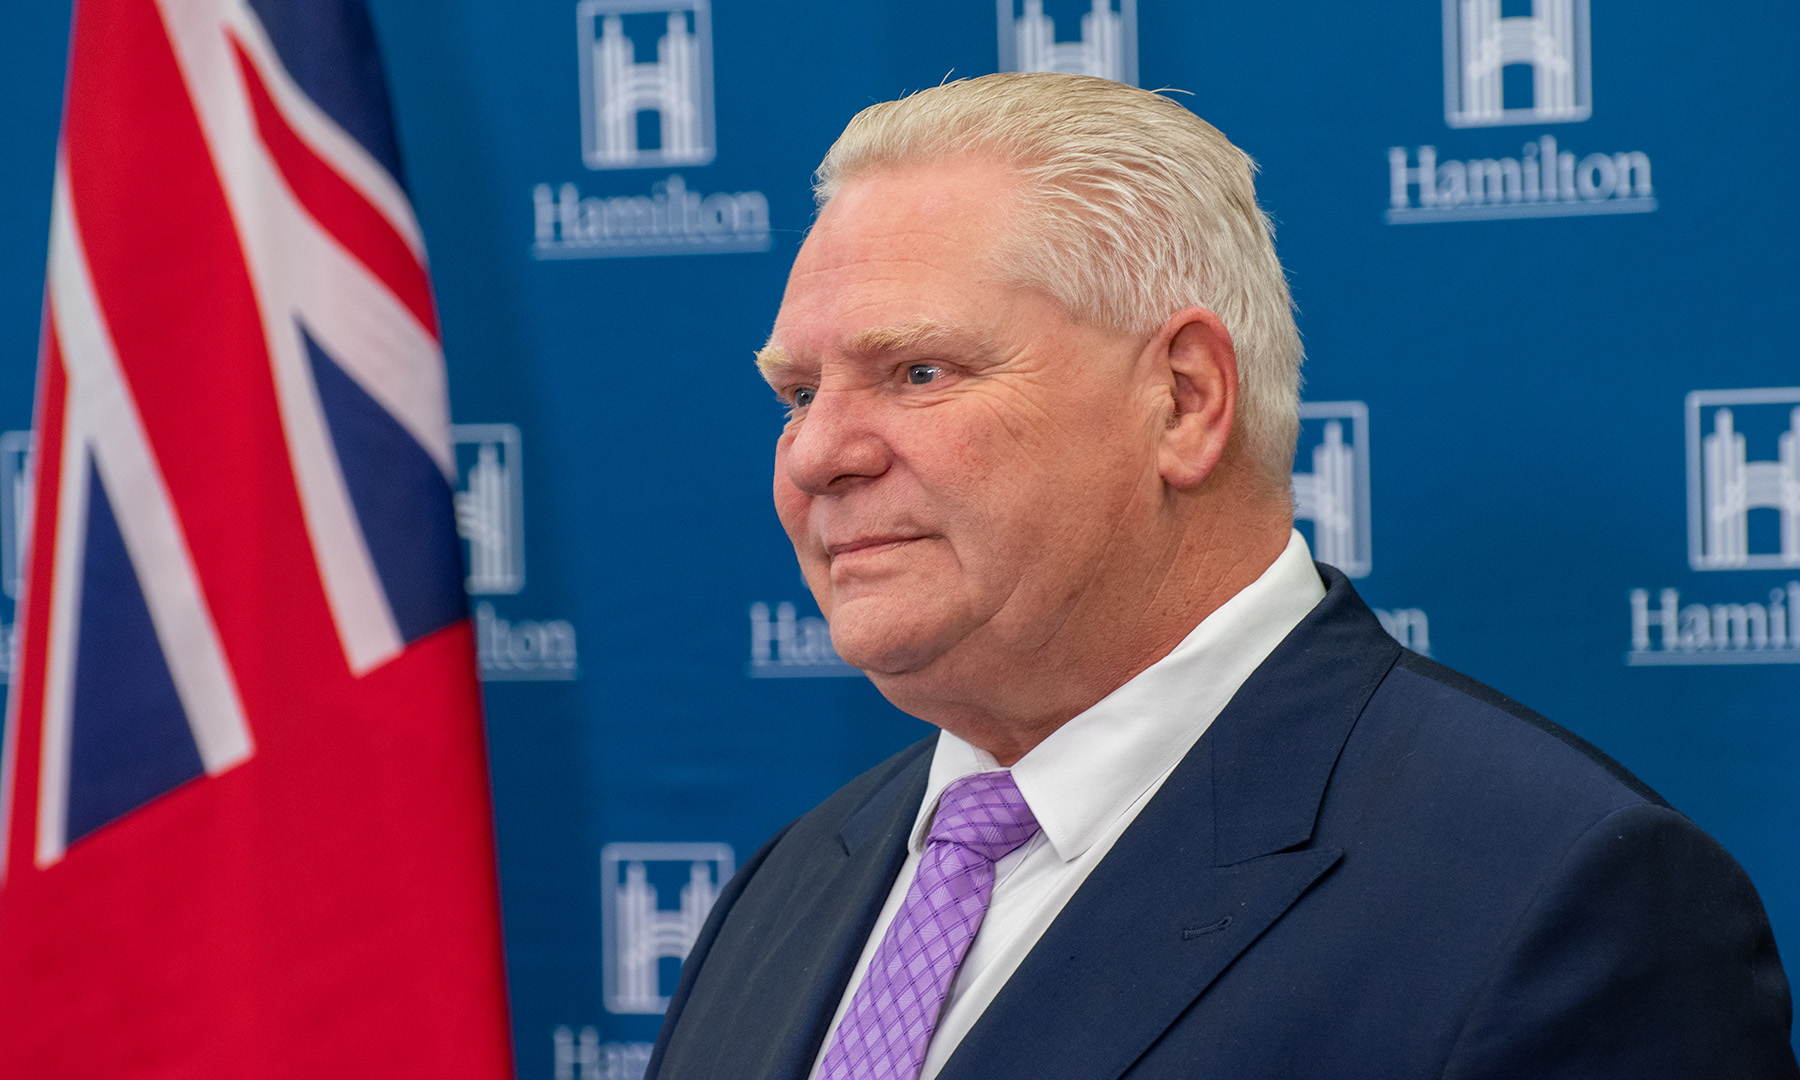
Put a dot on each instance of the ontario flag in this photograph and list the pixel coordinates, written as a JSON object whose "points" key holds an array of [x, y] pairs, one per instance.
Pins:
{"points": [[245, 828]]}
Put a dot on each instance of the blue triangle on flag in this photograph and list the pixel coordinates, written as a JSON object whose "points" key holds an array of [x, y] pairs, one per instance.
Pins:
{"points": [[129, 737], [402, 502], [328, 48]]}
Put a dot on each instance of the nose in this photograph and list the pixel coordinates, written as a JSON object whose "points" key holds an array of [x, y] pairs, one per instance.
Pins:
{"points": [[835, 444]]}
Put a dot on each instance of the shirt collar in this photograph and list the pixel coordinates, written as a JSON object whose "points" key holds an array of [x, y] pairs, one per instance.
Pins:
{"points": [[1096, 767]]}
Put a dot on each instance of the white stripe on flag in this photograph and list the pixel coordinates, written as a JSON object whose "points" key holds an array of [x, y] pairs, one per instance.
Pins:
{"points": [[256, 194], [65, 592], [102, 416], [331, 142], [363, 325], [352, 312]]}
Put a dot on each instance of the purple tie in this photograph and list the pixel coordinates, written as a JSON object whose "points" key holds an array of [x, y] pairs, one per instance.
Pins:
{"points": [[883, 1036]]}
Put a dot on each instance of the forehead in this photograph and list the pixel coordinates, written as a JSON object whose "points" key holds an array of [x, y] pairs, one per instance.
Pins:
{"points": [[899, 256]]}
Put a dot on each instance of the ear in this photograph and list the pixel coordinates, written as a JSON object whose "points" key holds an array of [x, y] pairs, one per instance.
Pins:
{"points": [[1193, 358]]}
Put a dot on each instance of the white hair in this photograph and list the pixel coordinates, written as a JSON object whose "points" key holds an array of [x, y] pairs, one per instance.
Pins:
{"points": [[1133, 209]]}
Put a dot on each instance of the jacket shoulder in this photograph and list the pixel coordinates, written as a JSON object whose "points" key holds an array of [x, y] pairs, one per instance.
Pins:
{"points": [[1466, 741], [1493, 718]]}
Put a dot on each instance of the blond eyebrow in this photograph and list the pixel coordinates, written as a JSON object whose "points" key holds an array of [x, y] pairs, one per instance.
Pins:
{"points": [[922, 332], [911, 335], [772, 359]]}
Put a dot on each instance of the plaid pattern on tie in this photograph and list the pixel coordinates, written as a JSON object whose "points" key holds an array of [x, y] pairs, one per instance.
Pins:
{"points": [[884, 1033]]}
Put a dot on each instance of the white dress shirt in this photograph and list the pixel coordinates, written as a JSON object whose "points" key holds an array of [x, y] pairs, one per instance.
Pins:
{"points": [[1086, 783]]}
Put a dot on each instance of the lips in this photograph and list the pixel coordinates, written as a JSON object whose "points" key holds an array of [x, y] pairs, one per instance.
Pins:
{"points": [[867, 544]]}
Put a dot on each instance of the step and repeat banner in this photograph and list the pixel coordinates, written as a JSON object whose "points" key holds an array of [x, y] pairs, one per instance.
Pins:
{"points": [[1544, 253]]}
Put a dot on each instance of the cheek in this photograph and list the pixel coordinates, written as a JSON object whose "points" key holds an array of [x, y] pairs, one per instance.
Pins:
{"points": [[791, 504], [1053, 494], [790, 507]]}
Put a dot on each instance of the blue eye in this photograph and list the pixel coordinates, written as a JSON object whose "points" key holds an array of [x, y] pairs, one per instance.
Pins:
{"points": [[804, 396], [920, 374]]}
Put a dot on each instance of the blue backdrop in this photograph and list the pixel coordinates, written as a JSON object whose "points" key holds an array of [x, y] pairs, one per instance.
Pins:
{"points": [[1545, 272]]}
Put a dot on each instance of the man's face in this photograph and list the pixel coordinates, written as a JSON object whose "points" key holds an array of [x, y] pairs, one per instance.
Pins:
{"points": [[965, 468]]}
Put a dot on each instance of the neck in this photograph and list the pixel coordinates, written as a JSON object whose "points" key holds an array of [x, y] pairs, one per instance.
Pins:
{"points": [[1008, 696]]}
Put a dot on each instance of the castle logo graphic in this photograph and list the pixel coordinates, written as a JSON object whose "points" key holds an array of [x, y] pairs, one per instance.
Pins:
{"points": [[15, 507], [15, 526], [490, 518], [490, 512], [642, 941], [1743, 512], [1106, 48], [620, 95], [1544, 179], [646, 114], [1480, 44], [1333, 498]]}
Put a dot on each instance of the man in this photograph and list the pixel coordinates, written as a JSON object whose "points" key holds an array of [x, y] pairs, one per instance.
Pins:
{"points": [[1190, 813]]}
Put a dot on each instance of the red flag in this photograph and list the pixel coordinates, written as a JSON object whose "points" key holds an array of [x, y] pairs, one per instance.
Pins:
{"points": [[243, 802]]}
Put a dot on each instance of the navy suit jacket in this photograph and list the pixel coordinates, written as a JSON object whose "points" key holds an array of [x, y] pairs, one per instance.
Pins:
{"points": [[1369, 866]]}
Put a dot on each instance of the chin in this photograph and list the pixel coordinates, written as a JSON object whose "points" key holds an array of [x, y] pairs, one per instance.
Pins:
{"points": [[882, 658], [884, 645]]}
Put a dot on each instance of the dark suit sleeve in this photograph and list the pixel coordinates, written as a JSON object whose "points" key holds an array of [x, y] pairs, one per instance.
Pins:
{"points": [[1646, 955], [690, 967]]}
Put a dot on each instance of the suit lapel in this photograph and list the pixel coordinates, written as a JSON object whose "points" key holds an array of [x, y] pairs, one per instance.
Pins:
{"points": [[806, 951], [1217, 856]]}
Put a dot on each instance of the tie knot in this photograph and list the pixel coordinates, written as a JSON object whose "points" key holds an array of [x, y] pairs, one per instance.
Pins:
{"points": [[985, 813]]}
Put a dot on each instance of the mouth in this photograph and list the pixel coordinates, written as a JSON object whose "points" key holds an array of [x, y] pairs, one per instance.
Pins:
{"points": [[867, 545]]}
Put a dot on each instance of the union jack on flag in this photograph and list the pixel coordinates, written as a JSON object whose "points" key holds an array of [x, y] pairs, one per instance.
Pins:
{"points": [[244, 817]]}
